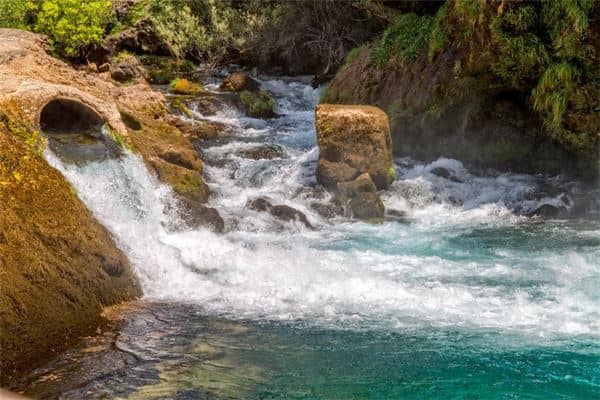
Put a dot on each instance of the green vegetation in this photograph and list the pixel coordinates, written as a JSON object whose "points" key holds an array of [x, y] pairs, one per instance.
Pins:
{"points": [[258, 105], [180, 30], [403, 41], [72, 25], [16, 13]]}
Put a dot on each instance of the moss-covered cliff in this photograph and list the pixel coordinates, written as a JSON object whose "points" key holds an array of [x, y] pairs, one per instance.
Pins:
{"points": [[511, 85], [58, 266]]}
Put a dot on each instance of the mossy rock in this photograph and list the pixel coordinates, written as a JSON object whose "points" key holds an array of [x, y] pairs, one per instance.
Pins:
{"points": [[258, 105], [184, 86]]}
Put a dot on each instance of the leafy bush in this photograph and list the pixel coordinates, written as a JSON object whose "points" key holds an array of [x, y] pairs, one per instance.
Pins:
{"points": [[403, 41], [16, 13], [180, 30], [74, 24]]}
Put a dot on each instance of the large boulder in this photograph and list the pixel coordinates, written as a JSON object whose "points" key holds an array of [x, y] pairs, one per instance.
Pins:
{"points": [[353, 140]]}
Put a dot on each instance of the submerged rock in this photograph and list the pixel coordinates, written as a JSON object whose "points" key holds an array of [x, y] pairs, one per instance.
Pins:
{"points": [[258, 104], [353, 140], [265, 152], [446, 174], [282, 212], [546, 211], [327, 210]]}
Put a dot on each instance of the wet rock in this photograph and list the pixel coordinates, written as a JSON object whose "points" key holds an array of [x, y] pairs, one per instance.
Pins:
{"points": [[206, 106], [282, 212], [74, 148], [238, 82], [546, 211], [199, 130], [306, 192], [266, 152], [446, 174], [127, 70], [196, 215], [258, 104], [330, 173], [395, 215], [353, 140], [327, 211], [362, 198]]}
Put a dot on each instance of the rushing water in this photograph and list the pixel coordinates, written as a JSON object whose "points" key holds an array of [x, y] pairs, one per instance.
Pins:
{"points": [[462, 297]]}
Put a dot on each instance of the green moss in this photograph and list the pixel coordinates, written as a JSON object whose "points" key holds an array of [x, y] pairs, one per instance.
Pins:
{"points": [[32, 138], [178, 105], [258, 105], [392, 174], [352, 55], [119, 139], [403, 41], [438, 37]]}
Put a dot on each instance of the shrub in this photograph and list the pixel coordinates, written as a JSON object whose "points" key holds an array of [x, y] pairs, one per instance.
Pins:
{"points": [[74, 24], [403, 41], [180, 30], [16, 13]]}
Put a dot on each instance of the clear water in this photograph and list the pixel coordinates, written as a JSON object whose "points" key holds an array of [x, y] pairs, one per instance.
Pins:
{"points": [[464, 298]]}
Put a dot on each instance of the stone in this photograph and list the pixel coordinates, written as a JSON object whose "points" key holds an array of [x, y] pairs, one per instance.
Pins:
{"points": [[327, 211], [266, 152], [239, 81], [446, 174], [127, 70], [196, 215], [361, 197], [546, 211], [258, 104], [330, 173], [104, 67], [353, 138], [282, 212]]}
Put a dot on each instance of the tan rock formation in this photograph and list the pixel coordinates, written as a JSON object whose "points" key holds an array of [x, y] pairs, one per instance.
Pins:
{"points": [[30, 79], [353, 140]]}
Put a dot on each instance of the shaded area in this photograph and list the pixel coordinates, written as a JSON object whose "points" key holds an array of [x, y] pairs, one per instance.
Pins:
{"points": [[69, 116], [75, 132]]}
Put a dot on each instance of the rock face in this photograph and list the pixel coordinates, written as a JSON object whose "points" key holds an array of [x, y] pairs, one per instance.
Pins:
{"points": [[59, 267], [362, 199], [127, 70], [353, 140], [30, 79]]}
